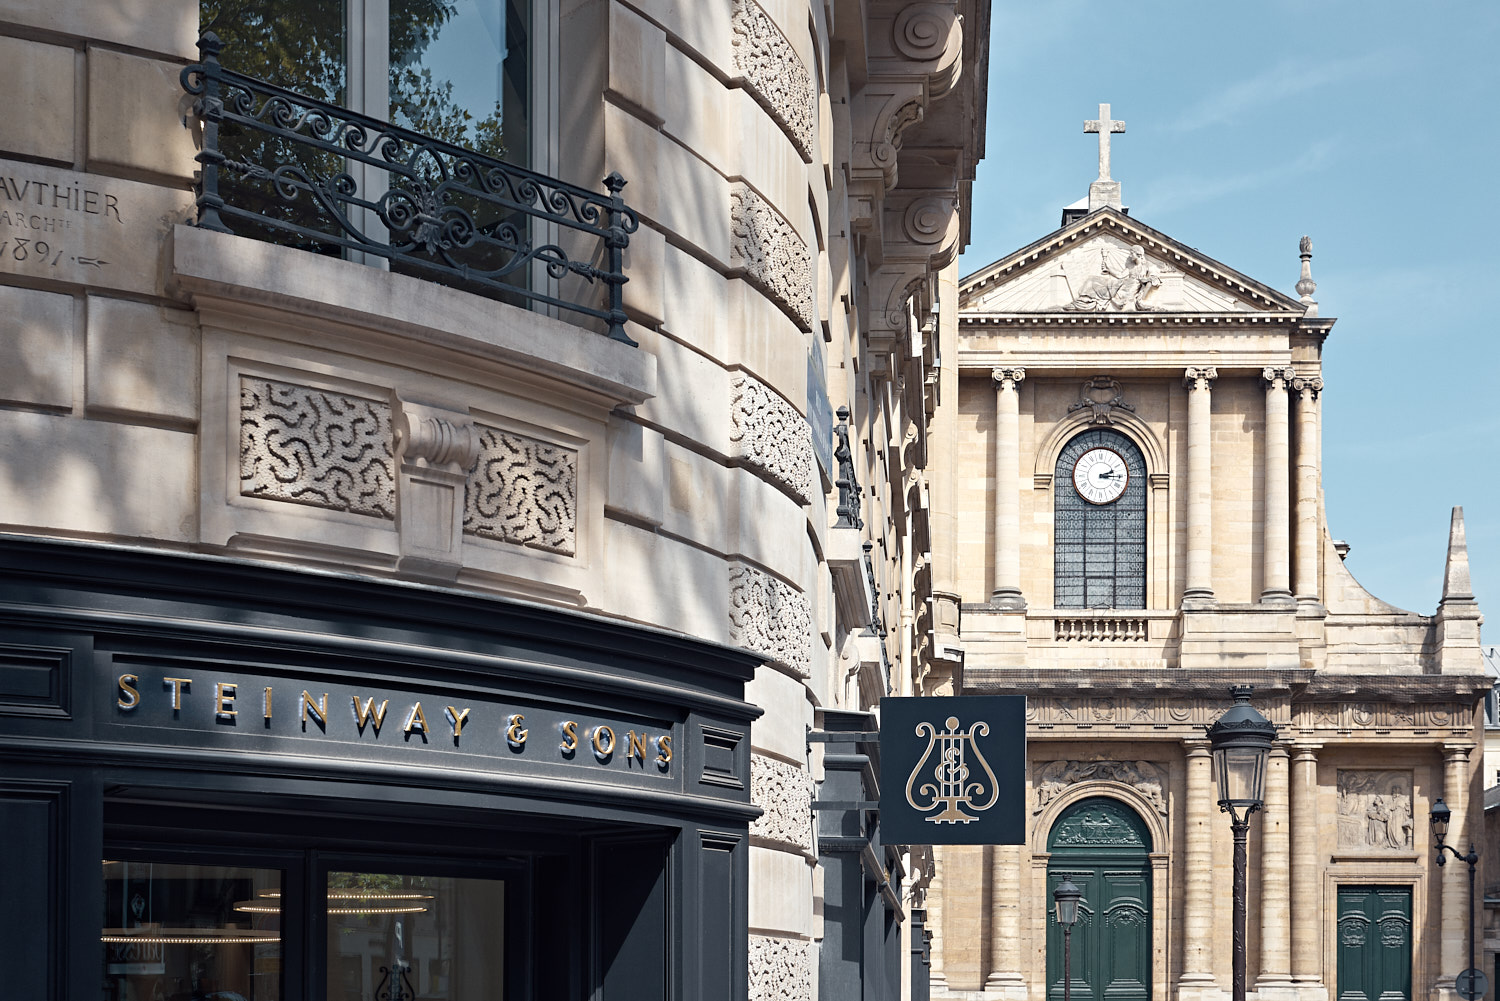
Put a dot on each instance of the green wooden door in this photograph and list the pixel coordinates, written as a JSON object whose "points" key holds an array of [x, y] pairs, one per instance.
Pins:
{"points": [[1374, 936], [1102, 845]]}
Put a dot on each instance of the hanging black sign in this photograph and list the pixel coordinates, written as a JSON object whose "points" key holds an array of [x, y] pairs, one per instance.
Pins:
{"points": [[953, 770]]}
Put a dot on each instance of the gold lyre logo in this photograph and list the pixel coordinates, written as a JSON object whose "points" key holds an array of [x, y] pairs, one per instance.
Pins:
{"points": [[949, 787]]}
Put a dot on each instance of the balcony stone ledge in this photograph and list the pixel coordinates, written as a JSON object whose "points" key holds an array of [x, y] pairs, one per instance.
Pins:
{"points": [[218, 271]]}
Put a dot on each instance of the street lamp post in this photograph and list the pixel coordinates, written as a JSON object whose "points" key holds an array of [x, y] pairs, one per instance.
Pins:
{"points": [[1439, 819], [1065, 899], [1241, 741]]}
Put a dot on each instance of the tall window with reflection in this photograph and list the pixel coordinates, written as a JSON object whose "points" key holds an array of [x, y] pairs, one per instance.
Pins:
{"points": [[458, 71], [1099, 549]]}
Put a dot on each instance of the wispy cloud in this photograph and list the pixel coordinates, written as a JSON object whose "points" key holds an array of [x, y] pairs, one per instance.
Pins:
{"points": [[1286, 79], [1172, 194]]}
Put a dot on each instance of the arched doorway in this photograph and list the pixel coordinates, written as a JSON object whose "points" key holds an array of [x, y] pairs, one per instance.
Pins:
{"points": [[1104, 847]]}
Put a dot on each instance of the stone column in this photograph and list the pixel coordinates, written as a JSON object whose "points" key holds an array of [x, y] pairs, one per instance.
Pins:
{"points": [[1454, 923], [1007, 589], [936, 909], [1197, 869], [1200, 529], [1309, 538], [1005, 976], [1275, 557], [1306, 867], [1275, 881]]}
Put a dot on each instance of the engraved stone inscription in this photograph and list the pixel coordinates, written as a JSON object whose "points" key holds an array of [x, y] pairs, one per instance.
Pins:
{"points": [[1375, 810], [315, 447], [76, 227], [523, 491]]}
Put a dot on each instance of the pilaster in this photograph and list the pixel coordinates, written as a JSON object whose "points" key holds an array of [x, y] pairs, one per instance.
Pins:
{"points": [[1007, 584], [1200, 529], [1275, 587]]}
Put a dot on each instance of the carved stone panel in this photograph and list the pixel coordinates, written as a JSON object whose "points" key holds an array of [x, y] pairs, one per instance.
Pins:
{"points": [[766, 248], [770, 617], [316, 447], [1052, 778], [523, 491], [770, 435], [784, 792], [774, 74], [1375, 810], [780, 969], [1106, 274]]}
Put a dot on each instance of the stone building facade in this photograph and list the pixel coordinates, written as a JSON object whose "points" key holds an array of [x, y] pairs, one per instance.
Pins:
{"points": [[631, 515], [1139, 524]]}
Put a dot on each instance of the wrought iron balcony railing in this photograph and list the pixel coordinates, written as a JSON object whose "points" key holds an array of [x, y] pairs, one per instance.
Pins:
{"points": [[332, 180]]}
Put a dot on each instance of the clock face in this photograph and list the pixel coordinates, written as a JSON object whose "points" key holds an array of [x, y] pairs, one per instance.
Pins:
{"points": [[1100, 475]]}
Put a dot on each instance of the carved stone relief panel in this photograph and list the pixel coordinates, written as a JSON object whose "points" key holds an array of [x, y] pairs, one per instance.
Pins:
{"points": [[780, 969], [1375, 810], [1107, 275], [769, 616], [1383, 715], [770, 435], [316, 447], [774, 74], [766, 248], [1052, 778], [524, 491], [784, 792]]}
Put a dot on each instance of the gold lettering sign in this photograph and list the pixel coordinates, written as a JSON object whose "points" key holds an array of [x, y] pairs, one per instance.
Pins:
{"points": [[364, 713], [177, 685], [369, 716]]}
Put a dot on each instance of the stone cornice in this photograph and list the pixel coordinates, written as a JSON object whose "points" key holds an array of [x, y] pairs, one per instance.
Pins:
{"points": [[1301, 684]]}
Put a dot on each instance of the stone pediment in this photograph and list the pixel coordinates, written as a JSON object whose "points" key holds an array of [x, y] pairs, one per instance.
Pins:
{"points": [[1109, 263]]}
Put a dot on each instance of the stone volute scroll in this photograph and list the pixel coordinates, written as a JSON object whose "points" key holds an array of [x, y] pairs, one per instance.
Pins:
{"points": [[1100, 396], [434, 450]]}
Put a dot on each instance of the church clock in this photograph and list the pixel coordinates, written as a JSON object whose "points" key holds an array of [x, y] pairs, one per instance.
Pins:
{"points": [[1100, 475]]}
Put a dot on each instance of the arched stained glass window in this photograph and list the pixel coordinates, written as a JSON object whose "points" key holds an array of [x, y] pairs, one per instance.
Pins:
{"points": [[1099, 550]]}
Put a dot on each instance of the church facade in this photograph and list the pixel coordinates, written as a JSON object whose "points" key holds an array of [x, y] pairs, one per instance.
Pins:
{"points": [[1139, 524]]}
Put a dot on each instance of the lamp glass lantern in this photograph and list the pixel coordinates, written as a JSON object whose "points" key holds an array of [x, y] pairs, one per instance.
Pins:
{"points": [[1241, 742], [1438, 819], [1065, 902]]}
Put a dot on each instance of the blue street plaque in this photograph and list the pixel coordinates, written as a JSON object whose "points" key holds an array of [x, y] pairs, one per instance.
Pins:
{"points": [[953, 770]]}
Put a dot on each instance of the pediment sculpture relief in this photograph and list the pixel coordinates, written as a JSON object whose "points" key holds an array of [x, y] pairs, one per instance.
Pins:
{"points": [[1125, 284], [1375, 810], [1054, 777]]}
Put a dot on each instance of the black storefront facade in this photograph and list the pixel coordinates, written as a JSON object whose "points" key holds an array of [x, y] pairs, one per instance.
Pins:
{"points": [[233, 781]]}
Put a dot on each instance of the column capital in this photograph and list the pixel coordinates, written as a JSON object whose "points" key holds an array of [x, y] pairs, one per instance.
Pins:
{"points": [[1196, 747], [1305, 752], [1457, 752], [1015, 376], [1310, 386], [1277, 376], [1199, 378]]}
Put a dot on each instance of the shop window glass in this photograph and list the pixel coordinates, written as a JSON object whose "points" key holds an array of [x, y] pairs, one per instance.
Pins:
{"points": [[438, 938], [176, 932]]}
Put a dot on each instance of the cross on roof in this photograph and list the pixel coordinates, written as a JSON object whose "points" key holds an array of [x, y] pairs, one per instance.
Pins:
{"points": [[1103, 125]]}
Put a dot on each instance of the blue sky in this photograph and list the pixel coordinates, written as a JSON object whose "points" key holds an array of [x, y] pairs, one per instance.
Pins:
{"points": [[1369, 126]]}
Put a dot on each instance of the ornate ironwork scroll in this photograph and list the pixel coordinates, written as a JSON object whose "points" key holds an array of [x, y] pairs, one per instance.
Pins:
{"points": [[332, 181]]}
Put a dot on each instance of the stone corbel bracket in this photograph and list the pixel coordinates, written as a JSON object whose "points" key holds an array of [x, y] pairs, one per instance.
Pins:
{"points": [[921, 231], [915, 57], [435, 449]]}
